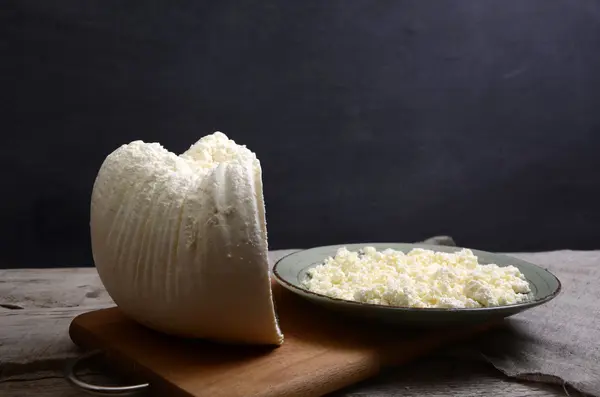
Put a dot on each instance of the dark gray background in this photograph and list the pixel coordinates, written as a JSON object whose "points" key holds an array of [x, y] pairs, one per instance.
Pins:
{"points": [[374, 120]]}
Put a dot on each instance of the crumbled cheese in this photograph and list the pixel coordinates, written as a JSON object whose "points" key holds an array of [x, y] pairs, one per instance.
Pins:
{"points": [[421, 278]]}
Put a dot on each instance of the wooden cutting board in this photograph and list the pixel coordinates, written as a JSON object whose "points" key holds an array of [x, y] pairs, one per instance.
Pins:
{"points": [[322, 352]]}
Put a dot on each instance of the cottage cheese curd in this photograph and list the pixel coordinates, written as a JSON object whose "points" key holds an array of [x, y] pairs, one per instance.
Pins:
{"points": [[420, 278]]}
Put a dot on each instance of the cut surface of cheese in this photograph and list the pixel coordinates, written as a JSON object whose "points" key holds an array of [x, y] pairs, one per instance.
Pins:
{"points": [[180, 242]]}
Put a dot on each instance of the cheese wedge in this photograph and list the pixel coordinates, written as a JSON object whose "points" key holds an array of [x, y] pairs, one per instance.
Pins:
{"points": [[180, 242]]}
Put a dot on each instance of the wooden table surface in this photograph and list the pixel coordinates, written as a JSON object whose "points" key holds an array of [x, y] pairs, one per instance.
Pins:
{"points": [[37, 305]]}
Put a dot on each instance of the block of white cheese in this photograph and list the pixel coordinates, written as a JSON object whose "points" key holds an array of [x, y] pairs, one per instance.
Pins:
{"points": [[180, 242]]}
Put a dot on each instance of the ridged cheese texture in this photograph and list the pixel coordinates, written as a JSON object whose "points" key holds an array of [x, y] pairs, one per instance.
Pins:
{"points": [[421, 278], [180, 242]]}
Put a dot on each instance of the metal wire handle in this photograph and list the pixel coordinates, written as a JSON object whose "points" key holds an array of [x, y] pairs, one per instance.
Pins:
{"points": [[98, 390]]}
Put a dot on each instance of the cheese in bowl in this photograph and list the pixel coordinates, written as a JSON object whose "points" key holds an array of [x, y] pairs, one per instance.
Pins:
{"points": [[420, 278]]}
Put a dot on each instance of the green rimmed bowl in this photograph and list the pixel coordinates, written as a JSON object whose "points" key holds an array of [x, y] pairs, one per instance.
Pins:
{"points": [[290, 271]]}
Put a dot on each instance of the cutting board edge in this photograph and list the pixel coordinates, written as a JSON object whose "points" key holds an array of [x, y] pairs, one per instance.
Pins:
{"points": [[83, 336], [87, 340]]}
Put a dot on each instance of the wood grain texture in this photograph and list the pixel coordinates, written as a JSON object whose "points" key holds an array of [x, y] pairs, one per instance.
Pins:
{"points": [[52, 288], [323, 352], [34, 344], [433, 377]]}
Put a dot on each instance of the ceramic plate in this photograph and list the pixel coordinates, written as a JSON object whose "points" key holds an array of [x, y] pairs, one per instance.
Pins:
{"points": [[291, 270]]}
